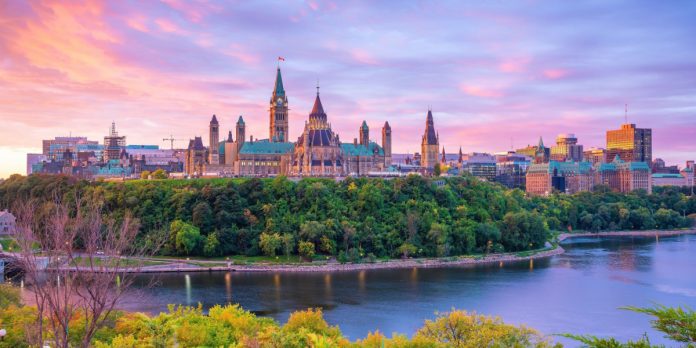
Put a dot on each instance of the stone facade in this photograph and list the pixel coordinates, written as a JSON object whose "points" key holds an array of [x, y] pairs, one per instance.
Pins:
{"points": [[317, 152], [565, 177], [624, 176]]}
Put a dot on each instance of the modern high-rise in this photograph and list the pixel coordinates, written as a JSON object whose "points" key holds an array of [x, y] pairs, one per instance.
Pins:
{"points": [[54, 148], [430, 144], [567, 148], [631, 144], [279, 123]]}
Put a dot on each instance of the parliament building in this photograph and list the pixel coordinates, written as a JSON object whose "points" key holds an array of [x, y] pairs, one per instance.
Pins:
{"points": [[318, 151]]}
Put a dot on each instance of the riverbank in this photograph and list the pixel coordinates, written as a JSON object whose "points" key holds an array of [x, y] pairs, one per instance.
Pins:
{"points": [[180, 265], [646, 233]]}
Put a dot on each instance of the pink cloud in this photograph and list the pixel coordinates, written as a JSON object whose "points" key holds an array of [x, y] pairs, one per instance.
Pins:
{"points": [[479, 91], [364, 57], [554, 74], [138, 23], [243, 54], [168, 26], [514, 65]]}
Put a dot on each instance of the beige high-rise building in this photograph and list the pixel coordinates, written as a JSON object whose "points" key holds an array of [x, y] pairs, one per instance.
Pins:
{"points": [[567, 148]]}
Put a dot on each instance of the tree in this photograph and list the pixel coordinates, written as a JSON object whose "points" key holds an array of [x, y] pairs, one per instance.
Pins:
{"points": [[407, 250], [678, 323], [667, 218], [91, 258], [461, 329], [437, 170], [160, 174], [270, 243], [288, 244], [312, 231], [486, 233], [186, 237], [212, 245], [306, 250], [145, 174], [203, 216]]}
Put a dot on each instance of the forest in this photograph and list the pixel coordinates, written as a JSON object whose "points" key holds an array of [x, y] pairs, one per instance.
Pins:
{"points": [[353, 219]]}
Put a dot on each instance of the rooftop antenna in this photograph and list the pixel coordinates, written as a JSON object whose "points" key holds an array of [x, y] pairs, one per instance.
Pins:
{"points": [[626, 113]]}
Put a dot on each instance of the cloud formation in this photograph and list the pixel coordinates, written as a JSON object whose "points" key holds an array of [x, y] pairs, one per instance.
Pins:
{"points": [[496, 74]]}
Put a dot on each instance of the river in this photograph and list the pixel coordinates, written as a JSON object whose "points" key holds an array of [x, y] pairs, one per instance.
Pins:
{"points": [[579, 291]]}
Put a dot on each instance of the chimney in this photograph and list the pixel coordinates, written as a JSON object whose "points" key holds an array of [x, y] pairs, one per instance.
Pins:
{"points": [[355, 141]]}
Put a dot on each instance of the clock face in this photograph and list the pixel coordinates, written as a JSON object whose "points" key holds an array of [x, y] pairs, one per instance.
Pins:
{"points": [[280, 101]]}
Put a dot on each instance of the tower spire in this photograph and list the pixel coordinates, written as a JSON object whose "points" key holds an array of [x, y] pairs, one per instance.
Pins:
{"points": [[626, 113]]}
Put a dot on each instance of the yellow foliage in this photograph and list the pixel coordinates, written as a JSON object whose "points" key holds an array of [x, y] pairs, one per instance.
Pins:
{"points": [[463, 330]]}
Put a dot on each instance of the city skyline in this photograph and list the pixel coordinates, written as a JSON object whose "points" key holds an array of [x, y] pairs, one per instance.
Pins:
{"points": [[498, 80]]}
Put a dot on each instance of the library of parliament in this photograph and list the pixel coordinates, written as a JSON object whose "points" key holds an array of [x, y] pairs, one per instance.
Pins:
{"points": [[318, 151]]}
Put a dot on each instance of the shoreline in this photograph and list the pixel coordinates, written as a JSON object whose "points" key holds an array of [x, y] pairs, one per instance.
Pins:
{"points": [[640, 233], [179, 266]]}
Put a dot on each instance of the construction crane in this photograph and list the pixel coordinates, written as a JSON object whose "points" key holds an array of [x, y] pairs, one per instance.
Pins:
{"points": [[171, 140]]}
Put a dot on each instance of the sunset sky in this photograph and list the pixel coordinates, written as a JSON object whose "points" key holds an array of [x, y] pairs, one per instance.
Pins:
{"points": [[496, 73]]}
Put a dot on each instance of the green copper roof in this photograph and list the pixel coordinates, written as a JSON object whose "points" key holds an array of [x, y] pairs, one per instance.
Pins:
{"points": [[351, 149], [240, 120], [364, 125], [279, 90], [619, 164], [265, 147], [561, 167], [667, 175]]}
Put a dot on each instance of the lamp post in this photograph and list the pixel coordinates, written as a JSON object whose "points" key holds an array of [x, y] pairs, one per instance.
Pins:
{"points": [[3, 332]]}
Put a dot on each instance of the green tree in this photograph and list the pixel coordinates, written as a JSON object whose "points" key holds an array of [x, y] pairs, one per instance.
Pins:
{"points": [[407, 249], [437, 170], [212, 245], [270, 243], [288, 244], [160, 174], [145, 174], [186, 237], [306, 249], [202, 216]]}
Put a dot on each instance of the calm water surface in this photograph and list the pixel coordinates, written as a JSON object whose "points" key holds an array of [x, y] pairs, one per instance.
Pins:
{"points": [[579, 291]]}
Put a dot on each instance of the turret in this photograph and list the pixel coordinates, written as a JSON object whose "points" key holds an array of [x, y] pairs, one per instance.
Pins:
{"points": [[241, 132], [386, 144], [214, 138], [364, 134]]}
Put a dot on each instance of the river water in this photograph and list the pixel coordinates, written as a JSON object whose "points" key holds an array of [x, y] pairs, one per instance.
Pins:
{"points": [[579, 291]]}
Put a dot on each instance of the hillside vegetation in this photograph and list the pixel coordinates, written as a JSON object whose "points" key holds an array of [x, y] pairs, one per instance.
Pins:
{"points": [[355, 218]]}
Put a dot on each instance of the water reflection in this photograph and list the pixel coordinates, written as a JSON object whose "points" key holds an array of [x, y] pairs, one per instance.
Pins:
{"points": [[187, 280], [578, 291], [228, 286]]}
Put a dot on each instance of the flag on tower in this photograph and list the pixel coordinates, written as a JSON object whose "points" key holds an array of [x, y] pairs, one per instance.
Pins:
{"points": [[281, 58]]}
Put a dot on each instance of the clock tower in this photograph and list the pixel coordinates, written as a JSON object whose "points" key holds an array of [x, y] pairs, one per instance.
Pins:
{"points": [[278, 130]]}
